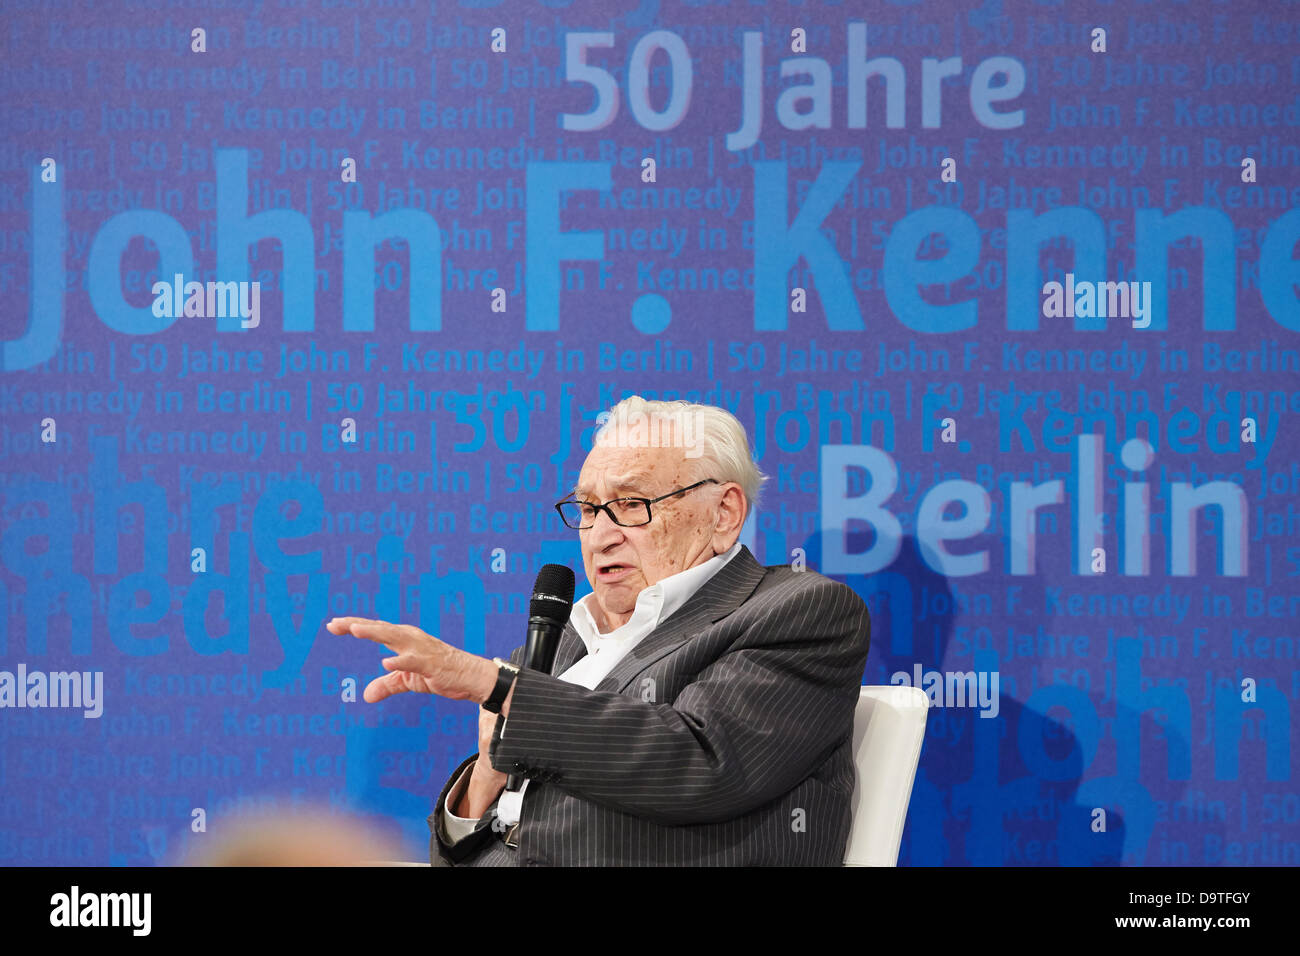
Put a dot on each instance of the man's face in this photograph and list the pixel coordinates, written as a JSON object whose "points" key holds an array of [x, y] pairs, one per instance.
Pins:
{"points": [[621, 562]]}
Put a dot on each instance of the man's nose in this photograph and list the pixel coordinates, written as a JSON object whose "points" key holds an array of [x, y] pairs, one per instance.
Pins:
{"points": [[604, 527]]}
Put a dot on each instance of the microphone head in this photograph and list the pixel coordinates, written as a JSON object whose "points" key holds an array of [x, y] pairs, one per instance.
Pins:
{"points": [[553, 593]]}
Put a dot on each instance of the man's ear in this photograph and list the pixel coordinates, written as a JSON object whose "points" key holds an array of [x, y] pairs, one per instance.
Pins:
{"points": [[731, 513]]}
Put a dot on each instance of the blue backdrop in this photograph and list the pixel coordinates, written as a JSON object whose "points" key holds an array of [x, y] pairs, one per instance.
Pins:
{"points": [[473, 226]]}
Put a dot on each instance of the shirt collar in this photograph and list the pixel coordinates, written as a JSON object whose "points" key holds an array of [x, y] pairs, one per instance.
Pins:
{"points": [[654, 604]]}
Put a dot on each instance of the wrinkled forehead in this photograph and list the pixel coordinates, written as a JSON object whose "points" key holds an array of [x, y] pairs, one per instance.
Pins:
{"points": [[613, 469]]}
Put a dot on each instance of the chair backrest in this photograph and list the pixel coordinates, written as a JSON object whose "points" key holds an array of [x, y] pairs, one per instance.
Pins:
{"points": [[888, 729]]}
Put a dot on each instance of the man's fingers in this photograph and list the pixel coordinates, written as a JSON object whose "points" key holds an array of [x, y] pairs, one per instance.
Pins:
{"points": [[396, 636], [385, 686], [342, 625], [412, 658], [390, 635]]}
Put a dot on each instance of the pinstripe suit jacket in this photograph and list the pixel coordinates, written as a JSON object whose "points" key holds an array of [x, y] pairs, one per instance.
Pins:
{"points": [[722, 739]]}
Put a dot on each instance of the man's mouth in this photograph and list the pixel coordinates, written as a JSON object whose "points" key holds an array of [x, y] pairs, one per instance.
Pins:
{"points": [[612, 572]]}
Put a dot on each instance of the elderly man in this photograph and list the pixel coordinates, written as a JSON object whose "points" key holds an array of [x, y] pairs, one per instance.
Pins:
{"points": [[700, 707]]}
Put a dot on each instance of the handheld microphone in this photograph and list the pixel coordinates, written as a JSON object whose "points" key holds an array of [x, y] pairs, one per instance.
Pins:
{"points": [[548, 612]]}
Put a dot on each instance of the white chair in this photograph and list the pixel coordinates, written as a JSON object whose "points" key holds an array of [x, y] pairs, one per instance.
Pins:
{"points": [[888, 729]]}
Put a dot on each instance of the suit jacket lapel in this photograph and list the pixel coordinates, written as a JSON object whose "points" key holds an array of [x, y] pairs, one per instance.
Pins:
{"points": [[571, 650], [718, 597]]}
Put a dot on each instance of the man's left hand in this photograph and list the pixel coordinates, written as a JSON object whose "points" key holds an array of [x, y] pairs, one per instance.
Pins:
{"points": [[423, 663]]}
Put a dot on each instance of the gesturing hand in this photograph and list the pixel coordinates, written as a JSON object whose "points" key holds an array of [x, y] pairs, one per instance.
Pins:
{"points": [[423, 663]]}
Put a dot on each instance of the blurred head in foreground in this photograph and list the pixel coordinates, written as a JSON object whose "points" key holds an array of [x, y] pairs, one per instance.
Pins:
{"points": [[309, 838]]}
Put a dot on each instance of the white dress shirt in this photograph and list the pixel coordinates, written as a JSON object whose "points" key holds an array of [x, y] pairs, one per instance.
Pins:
{"points": [[654, 604]]}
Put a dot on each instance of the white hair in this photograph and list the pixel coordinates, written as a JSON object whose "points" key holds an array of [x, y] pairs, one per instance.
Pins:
{"points": [[714, 435]]}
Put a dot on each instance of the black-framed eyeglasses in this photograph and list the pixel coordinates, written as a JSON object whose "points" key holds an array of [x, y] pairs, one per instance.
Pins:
{"points": [[625, 512]]}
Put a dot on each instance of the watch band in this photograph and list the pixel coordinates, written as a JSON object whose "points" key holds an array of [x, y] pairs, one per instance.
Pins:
{"points": [[506, 673]]}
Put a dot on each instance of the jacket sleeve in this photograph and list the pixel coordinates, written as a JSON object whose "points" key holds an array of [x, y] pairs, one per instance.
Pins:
{"points": [[456, 828], [443, 851], [752, 725]]}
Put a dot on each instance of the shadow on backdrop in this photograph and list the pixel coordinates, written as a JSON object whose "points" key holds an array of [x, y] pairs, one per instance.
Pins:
{"points": [[996, 790]]}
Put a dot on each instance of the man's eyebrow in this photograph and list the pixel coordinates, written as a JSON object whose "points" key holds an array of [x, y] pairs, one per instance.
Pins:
{"points": [[623, 484]]}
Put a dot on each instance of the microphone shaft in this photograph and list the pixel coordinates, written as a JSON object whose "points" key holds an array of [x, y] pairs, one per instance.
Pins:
{"points": [[539, 654]]}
